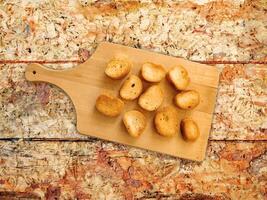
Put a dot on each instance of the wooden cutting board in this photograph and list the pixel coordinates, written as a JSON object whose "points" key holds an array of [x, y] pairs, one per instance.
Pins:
{"points": [[84, 83]]}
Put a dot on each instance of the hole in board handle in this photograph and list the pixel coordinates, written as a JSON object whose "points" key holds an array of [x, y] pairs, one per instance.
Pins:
{"points": [[34, 72]]}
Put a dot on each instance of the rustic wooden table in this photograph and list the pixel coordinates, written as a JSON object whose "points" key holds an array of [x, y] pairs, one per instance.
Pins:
{"points": [[43, 157]]}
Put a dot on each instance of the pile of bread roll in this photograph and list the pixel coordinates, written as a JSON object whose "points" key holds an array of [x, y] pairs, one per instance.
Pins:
{"points": [[166, 119]]}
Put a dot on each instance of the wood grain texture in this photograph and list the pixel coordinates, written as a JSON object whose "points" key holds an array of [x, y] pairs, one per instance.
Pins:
{"points": [[84, 83], [208, 30], [96, 170]]}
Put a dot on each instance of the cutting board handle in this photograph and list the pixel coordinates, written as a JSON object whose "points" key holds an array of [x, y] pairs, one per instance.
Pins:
{"points": [[37, 72]]}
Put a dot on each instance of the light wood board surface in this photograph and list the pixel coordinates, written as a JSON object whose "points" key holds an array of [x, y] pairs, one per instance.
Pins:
{"points": [[86, 82]]}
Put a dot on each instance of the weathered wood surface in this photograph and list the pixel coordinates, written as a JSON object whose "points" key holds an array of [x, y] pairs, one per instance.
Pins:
{"points": [[96, 170], [197, 30], [65, 165]]}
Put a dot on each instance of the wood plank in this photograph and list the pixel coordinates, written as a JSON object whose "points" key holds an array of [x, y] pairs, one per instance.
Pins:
{"points": [[42, 111], [98, 170], [211, 30]]}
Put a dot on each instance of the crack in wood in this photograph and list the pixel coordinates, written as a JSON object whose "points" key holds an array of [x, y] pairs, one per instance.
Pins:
{"points": [[95, 139], [39, 61], [18, 196], [212, 62]]}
